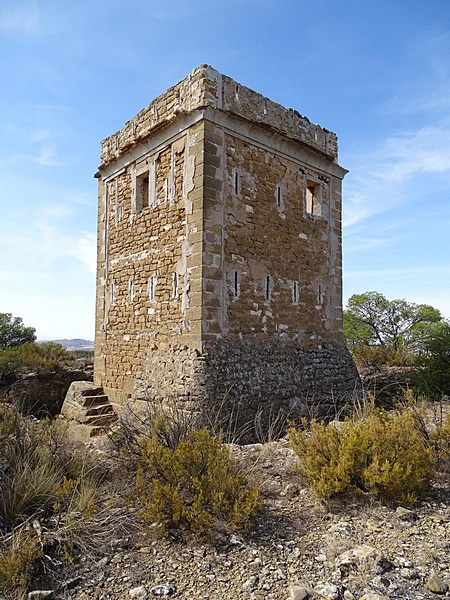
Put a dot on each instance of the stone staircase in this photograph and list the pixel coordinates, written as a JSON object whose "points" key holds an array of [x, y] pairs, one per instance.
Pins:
{"points": [[88, 410]]}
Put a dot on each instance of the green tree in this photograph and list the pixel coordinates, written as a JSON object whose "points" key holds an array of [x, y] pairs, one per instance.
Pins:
{"points": [[370, 319], [13, 332], [433, 361]]}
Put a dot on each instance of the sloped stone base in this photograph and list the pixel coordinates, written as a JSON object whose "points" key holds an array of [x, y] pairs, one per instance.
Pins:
{"points": [[239, 380]]}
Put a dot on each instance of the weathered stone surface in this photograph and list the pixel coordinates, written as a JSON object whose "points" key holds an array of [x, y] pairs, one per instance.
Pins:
{"points": [[87, 410], [404, 514], [328, 591], [268, 378], [138, 592], [219, 253], [42, 394], [297, 591], [436, 585], [360, 558]]}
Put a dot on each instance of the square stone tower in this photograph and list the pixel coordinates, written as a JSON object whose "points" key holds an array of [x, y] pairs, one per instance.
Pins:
{"points": [[219, 253]]}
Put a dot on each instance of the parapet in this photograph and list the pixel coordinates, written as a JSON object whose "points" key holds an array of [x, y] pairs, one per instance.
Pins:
{"points": [[205, 87]]}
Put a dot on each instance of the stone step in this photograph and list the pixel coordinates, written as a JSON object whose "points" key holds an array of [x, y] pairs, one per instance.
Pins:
{"points": [[101, 420], [88, 410], [96, 430], [92, 392], [89, 401], [100, 409]]}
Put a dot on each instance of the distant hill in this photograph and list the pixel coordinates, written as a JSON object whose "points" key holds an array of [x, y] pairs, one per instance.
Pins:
{"points": [[76, 344]]}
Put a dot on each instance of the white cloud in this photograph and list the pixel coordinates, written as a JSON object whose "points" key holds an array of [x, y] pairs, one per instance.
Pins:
{"points": [[20, 18], [384, 179], [85, 250]]}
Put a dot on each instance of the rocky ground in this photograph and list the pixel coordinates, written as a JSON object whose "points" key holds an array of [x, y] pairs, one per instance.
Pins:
{"points": [[299, 548]]}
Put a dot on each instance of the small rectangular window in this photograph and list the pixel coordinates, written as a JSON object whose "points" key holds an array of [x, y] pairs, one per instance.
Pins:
{"points": [[142, 191], [313, 198]]}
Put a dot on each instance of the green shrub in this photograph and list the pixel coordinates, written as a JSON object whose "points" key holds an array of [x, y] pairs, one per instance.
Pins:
{"points": [[433, 362], [441, 440], [31, 465], [17, 560], [380, 356], [382, 453], [43, 358], [38, 469], [193, 487]]}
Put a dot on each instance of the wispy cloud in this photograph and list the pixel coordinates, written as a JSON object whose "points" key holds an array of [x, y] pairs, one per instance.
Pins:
{"points": [[19, 17], [384, 179], [43, 145], [85, 250], [45, 241]]}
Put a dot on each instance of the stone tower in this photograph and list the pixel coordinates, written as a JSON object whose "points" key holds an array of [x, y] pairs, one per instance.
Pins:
{"points": [[219, 253]]}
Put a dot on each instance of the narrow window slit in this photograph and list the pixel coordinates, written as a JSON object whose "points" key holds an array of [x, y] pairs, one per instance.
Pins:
{"points": [[267, 287], [236, 183], [295, 292], [175, 285], [320, 294], [279, 196], [152, 287], [131, 290]]}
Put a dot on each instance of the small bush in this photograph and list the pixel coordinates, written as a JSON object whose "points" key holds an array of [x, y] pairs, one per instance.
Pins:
{"points": [[193, 487], [441, 440], [32, 465], [167, 422], [43, 358], [17, 560], [382, 453], [365, 355]]}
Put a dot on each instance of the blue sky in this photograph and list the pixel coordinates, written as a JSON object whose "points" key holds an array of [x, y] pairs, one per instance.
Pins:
{"points": [[72, 73]]}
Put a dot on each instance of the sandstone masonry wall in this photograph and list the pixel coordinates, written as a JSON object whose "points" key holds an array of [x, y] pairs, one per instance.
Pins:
{"points": [[219, 252]]}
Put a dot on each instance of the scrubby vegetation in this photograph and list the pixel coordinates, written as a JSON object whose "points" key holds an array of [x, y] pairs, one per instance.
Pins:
{"points": [[382, 334], [183, 482], [433, 362], [180, 477], [194, 487], [42, 358], [390, 455], [44, 484], [185, 478]]}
